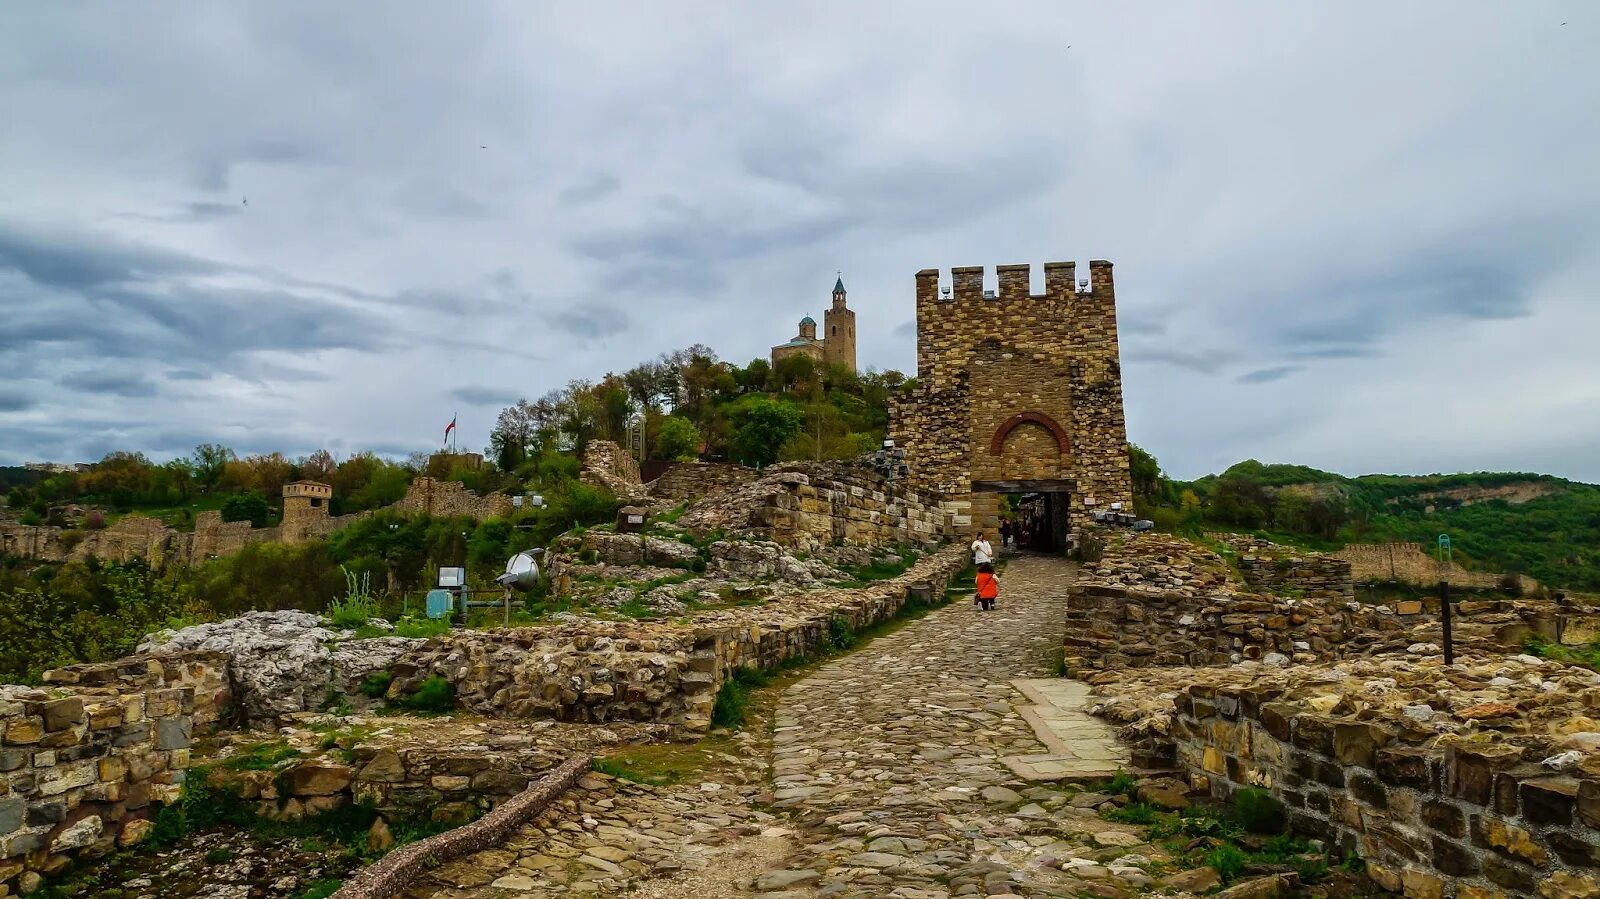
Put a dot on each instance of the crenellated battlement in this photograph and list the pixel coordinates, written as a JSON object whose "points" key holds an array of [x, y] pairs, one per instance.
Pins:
{"points": [[1061, 287]]}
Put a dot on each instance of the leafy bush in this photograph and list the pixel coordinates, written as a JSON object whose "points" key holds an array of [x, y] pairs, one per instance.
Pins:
{"points": [[434, 695], [1228, 861], [1123, 783], [732, 704], [841, 635], [82, 612], [376, 684], [1259, 812]]}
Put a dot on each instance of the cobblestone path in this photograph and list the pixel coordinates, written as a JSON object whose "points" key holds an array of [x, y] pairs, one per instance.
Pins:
{"points": [[892, 761], [888, 779]]}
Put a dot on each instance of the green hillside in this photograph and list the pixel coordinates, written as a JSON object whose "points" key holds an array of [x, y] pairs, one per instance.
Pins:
{"points": [[1543, 526]]}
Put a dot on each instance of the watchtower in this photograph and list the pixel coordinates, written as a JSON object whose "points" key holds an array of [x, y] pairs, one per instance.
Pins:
{"points": [[305, 510], [1017, 393]]}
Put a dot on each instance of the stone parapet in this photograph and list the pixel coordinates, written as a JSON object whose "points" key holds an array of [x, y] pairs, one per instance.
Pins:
{"points": [[82, 761], [1268, 567], [694, 481], [810, 505], [1429, 817]]}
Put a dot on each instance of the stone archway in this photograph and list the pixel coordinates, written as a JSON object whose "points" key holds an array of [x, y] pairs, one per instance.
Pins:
{"points": [[997, 443]]}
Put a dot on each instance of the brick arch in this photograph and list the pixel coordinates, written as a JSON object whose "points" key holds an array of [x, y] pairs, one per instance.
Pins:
{"points": [[998, 442]]}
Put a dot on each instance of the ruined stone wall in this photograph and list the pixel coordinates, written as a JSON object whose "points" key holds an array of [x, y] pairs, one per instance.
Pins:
{"points": [[84, 759], [605, 464], [1470, 820], [1016, 386], [400, 781], [1408, 563], [663, 672], [806, 505], [1272, 568], [1155, 600], [430, 496], [693, 481]]}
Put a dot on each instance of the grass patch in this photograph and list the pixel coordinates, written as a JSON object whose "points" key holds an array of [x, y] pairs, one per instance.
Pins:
{"points": [[1228, 861], [376, 684], [261, 756], [321, 889], [433, 696], [414, 628]]}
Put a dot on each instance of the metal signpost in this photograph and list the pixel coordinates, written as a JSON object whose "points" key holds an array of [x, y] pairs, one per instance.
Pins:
{"points": [[1444, 597]]}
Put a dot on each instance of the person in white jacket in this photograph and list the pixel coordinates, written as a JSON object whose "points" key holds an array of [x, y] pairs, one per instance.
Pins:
{"points": [[982, 552]]}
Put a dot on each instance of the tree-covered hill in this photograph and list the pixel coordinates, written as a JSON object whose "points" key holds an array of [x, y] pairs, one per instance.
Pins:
{"points": [[1540, 525]]}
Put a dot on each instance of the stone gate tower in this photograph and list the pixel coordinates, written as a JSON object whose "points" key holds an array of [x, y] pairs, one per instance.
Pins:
{"points": [[1017, 394]]}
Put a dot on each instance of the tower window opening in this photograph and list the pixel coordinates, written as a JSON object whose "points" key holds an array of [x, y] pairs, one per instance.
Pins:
{"points": [[836, 330]]}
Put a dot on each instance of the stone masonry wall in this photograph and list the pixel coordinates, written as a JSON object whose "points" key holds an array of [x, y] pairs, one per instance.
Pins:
{"points": [[82, 760], [1408, 563], [598, 671], [1038, 375], [694, 481], [807, 505], [1154, 600], [429, 496], [1471, 821], [1269, 567], [605, 464]]}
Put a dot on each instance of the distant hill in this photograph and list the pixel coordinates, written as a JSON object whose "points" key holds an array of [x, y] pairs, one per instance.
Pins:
{"points": [[1534, 524]]}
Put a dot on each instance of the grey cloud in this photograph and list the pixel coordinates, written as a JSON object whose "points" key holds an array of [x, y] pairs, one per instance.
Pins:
{"points": [[591, 322], [1207, 361], [484, 396], [1268, 375], [588, 190], [124, 385], [121, 300], [905, 329], [15, 401]]}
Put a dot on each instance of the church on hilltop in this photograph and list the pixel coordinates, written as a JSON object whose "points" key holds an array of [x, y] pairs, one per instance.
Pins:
{"points": [[836, 346]]}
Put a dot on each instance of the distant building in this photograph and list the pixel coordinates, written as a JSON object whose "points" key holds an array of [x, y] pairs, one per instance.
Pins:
{"points": [[836, 346], [54, 467]]}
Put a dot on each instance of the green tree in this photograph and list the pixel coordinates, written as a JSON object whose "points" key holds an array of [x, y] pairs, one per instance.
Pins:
{"points": [[208, 461], [677, 438], [761, 426], [247, 506]]}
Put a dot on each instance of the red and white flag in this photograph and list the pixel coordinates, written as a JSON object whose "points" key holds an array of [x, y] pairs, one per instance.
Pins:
{"points": [[449, 427]]}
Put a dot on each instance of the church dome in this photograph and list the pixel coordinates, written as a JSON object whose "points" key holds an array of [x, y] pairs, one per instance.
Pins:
{"points": [[808, 320]]}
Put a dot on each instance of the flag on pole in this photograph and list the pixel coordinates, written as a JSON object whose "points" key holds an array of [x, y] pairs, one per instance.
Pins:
{"points": [[449, 427]]}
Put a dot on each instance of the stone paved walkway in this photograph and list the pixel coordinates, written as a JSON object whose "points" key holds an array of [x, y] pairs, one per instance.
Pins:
{"points": [[889, 778]]}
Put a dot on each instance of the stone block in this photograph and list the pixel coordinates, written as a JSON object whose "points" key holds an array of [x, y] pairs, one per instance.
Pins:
{"points": [[1454, 859], [1445, 818], [1492, 833], [12, 813], [61, 714], [173, 733], [1357, 743], [1549, 800], [317, 778], [1470, 773], [25, 730]]}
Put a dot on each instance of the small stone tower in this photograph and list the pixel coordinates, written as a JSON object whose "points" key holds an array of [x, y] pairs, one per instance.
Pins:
{"points": [[305, 510], [808, 328], [839, 331]]}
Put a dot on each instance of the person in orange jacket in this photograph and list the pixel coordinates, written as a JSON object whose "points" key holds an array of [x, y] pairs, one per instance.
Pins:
{"points": [[988, 587]]}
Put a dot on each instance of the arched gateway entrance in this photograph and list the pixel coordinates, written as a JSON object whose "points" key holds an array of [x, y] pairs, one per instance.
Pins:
{"points": [[1018, 405]]}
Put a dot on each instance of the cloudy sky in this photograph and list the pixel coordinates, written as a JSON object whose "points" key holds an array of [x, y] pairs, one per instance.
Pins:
{"points": [[1361, 236]]}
